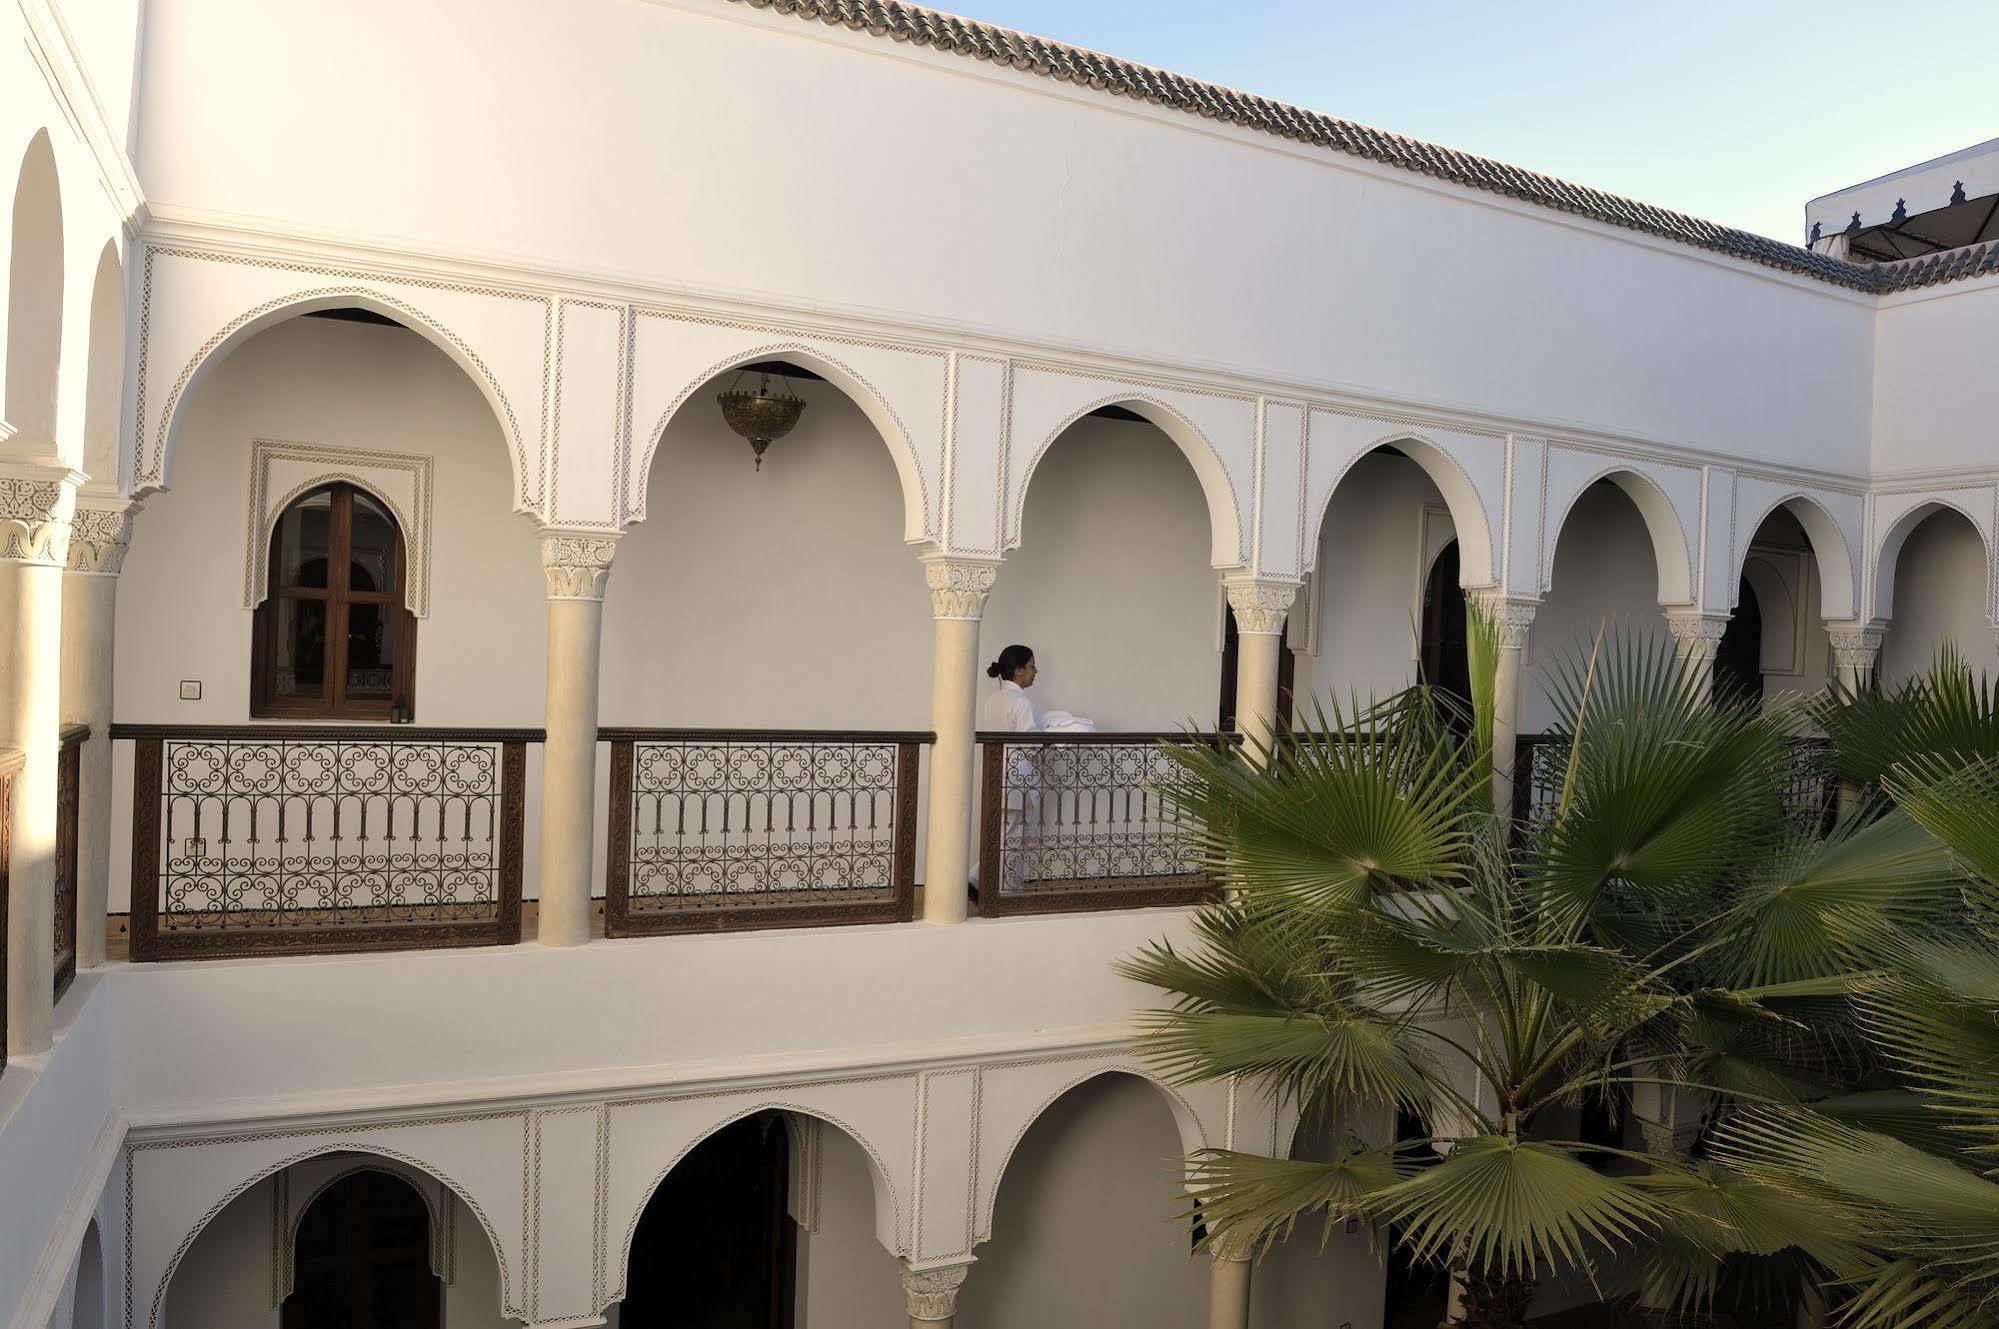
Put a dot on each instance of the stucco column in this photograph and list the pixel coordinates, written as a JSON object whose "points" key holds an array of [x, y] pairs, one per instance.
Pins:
{"points": [[100, 533], [958, 590], [1514, 620], [933, 1294], [578, 565], [1260, 604], [1228, 1287], [1696, 638], [1856, 652], [36, 502]]}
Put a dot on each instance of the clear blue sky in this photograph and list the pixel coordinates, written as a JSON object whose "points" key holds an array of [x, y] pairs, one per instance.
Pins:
{"points": [[1737, 112]]}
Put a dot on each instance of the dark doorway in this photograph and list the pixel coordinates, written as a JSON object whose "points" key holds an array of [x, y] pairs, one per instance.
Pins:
{"points": [[1287, 673], [717, 1247], [1418, 1292], [1738, 657], [363, 1259], [1444, 662]]}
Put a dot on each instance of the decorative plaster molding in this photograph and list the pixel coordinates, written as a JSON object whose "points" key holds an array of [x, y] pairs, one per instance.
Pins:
{"points": [[578, 566], [36, 504], [933, 1293], [1856, 646], [959, 586], [1260, 603], [1696, 636], [1514, 617], [402, 481], [100, 531]]}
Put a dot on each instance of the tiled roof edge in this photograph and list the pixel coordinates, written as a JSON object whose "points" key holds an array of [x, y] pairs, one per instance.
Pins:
{"points": [[1123, 78]]}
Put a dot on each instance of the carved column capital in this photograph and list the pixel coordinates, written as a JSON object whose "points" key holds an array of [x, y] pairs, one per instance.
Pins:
{"points": [[959, 586], [1511, 615], [577, 563], [37, 500], [1856, 646], [1696, 636], [100, 532], [933, 1293], [1260, 603]]}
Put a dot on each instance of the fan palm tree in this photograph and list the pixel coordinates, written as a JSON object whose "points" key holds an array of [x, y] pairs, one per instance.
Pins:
{"points": [[1658, 926], [1917, 1174]]}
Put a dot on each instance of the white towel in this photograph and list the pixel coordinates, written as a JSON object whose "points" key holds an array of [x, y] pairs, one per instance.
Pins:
{"points": [[1061, 722]]}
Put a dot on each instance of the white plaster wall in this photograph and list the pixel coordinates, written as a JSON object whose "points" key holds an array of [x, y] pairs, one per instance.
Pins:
{"points": [[1112, 585], [1936, 401], [226, 1276], [472, 100], [1939, 597], [106, 34], [1605, 573], [1085, 1230], [1375, 549], [846, 1279]]}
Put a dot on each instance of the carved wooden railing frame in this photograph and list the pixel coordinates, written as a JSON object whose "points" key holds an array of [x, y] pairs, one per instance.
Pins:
{"points": [[502, 928], [69, 769], [621, 919], [1086, 894]]}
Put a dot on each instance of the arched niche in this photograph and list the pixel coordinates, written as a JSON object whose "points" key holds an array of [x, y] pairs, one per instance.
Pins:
{"points": [[87, 1299], [104, 375], [1224, 517], [1830, 552], [274, 1219], [1670, 547], [155, 469], [888, 425], [1088, 1222], [1453, 484], [34, 297], [888, 1211], [1888, 551]]}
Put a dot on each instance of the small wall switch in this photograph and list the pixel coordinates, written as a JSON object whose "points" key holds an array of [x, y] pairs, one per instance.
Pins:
{"points": [[190, 689]]}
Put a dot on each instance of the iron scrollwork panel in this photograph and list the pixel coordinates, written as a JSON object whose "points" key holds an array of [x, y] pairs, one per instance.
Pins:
{"points": [[69, 771], [1088, 817]]}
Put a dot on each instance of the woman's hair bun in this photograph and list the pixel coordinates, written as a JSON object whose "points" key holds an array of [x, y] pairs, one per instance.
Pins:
{"points": [[993, 670]]}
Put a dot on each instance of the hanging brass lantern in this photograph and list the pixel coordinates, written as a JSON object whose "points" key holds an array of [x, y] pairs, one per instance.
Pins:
{"points": [[762, 416]]}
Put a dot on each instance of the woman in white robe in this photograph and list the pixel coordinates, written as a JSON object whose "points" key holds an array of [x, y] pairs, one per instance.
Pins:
{"points": [[1007, 710]]}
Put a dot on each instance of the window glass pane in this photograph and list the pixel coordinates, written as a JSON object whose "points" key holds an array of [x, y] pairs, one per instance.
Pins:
{"points": [[374, 547], [304, 541], [298, 656], [371, 652]]}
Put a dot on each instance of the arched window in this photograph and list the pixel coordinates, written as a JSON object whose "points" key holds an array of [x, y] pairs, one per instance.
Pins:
{"points": [[363, 1258], [333, 639]]}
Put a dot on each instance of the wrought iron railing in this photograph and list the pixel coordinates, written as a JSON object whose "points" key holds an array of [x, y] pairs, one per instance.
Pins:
{"points": [[10, 766], [720, 829], [1080, 821], [69, 768], [257, 840], [1809, 786]]}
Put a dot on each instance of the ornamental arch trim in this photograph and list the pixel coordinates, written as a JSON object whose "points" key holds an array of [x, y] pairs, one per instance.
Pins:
{"points": [[153, 469], [1461, 499], [511, 1300], [873, 402], [885, 1199], [1888, 552], [1672, 552], [438, 1247], [1193, 1135], [1838, 585], [1225, 517]]}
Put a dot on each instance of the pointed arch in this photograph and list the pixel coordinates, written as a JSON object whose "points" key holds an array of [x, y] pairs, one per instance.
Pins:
{"points": [[1477, 558], [1671, 550], [888, 1208], [34, 296], [1193, 1136], [873, 404], [1830, 550], [104, 373], [1888, 554], [511, 1298], [155, 470], [1224, 508]]}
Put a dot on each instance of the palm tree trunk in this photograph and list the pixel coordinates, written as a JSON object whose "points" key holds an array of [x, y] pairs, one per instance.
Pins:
{"points": [[1493, 1301]]}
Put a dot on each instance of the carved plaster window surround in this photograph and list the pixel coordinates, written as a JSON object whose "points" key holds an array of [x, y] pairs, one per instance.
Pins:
{"points": [[280, 472]]}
